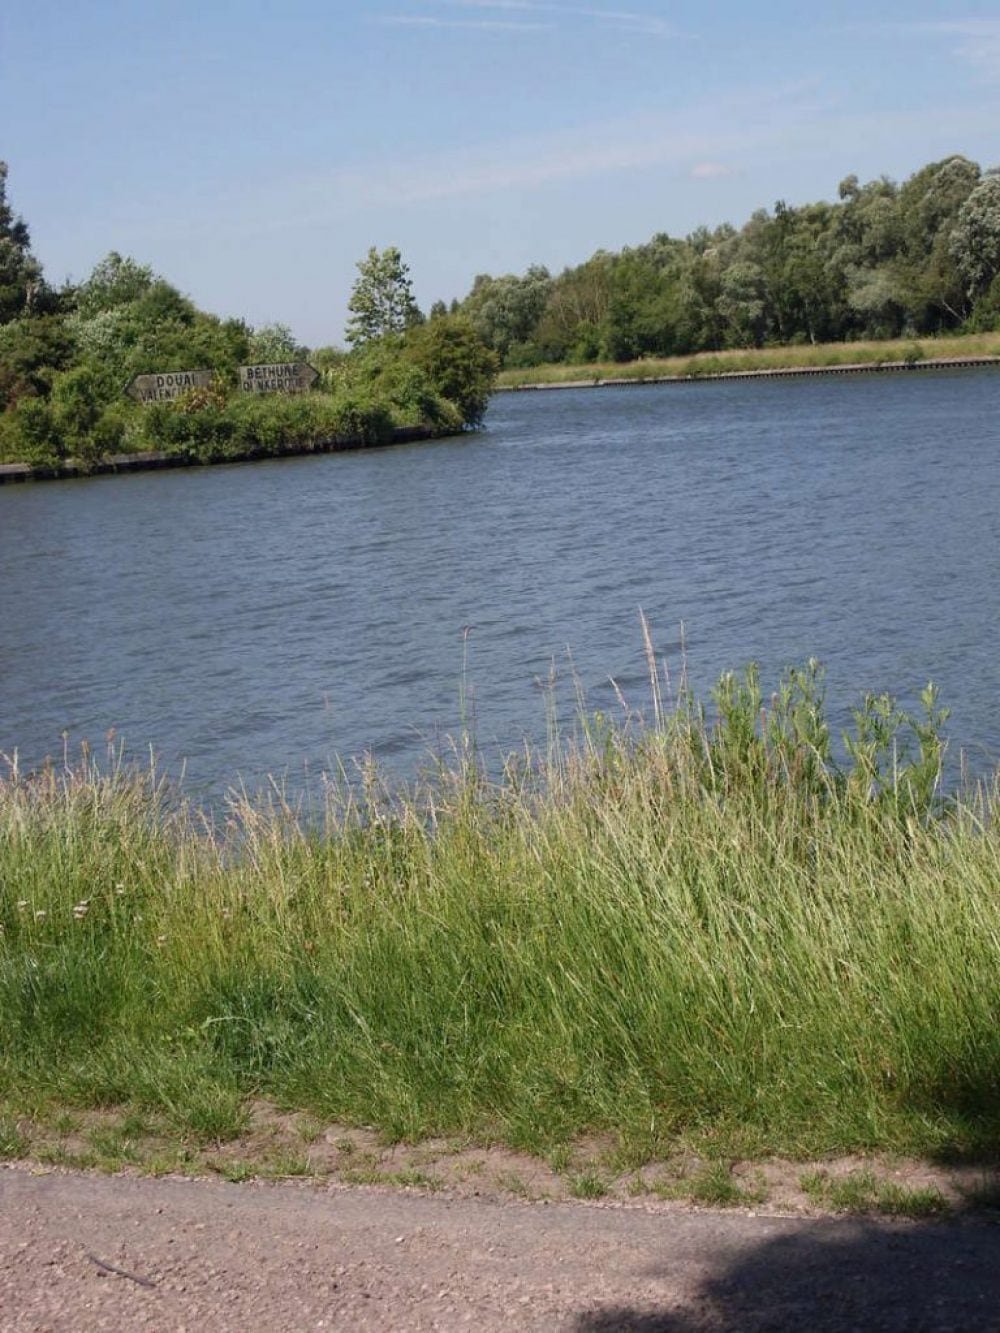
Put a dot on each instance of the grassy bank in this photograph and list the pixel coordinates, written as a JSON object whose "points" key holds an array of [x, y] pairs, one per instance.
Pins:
{"points": [[766, 358], [694, 933]]}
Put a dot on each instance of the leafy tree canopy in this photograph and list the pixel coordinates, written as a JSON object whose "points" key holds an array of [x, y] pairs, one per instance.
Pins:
{"points": [[883, 260], [115, 281], [20, 273], [975, 241], [65, 361], [382, 302], [456, 362], [32, 352], [274, 342]]}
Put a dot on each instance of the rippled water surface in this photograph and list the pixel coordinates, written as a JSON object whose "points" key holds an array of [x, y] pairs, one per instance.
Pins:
{"points": [[264, 618]]}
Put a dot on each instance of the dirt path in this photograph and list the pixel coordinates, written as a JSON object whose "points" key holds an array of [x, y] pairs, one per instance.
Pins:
{"points": [[88, 1252]]}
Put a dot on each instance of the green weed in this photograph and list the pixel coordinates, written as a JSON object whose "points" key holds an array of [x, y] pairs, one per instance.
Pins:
{"points": [[588, 1185], [715, 1187], [863, 1192], [290, 1165], [236, 1171], [13, 1143], [560, 1157]]}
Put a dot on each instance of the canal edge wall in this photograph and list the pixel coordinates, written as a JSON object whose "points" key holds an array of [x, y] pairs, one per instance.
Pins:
{"points": [[785, 372], [157, 460]]}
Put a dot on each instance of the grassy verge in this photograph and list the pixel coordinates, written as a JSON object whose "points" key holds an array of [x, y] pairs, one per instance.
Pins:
{"points": [[282, 1146], [698, 932], [767, 358]]}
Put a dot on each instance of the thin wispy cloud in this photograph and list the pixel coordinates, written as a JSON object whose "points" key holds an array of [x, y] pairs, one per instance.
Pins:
{"points": [[709, 171], [976, 41], [706, 136], [695, 144], [480, 25], [647, 25]]}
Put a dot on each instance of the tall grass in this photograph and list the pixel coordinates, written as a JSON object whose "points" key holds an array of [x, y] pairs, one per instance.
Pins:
{"points": [[817, 356], [697, 928]]}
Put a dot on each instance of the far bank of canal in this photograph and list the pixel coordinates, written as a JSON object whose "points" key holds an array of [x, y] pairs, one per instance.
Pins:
{"points": [[776, 372], [158, 460]]}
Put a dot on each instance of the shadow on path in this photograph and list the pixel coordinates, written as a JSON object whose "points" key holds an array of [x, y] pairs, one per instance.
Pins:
{"points": [[874, 1277]]}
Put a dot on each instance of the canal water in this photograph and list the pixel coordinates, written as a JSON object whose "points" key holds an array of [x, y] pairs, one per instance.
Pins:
{"points": [[266, 618]]}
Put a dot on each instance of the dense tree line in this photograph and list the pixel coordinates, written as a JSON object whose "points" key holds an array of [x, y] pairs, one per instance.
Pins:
{"points": [[884, 261], [67, 355]]}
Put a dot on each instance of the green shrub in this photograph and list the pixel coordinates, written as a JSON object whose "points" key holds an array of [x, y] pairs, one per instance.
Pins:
{"points": [[32, 352], [28, 434], [77, 406], [112, 430], [458, 365]]}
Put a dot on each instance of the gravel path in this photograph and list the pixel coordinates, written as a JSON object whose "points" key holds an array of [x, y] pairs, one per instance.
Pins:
{"points": [[80, 1253]]}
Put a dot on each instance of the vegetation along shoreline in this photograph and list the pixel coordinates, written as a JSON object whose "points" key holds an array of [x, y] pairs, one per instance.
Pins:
{"points": [[156, 460], [774, 372], [885, 278], [705, 935]]}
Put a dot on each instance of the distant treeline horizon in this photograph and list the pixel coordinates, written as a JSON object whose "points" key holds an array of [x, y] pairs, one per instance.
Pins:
{"points": [[884, 261]]}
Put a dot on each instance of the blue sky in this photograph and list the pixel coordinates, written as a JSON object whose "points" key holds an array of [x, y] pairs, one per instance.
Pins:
{"points": [[252, 152]]}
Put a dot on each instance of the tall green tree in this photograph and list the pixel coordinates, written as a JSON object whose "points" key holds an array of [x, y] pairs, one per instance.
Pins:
{"points": [[740, 304], [382, 302], [928, 279], [575, 308], [975, 241], [20, 272], [274, 342], [32, 351], [117, 280], [505, 310], [129, 321], [641, 315]]}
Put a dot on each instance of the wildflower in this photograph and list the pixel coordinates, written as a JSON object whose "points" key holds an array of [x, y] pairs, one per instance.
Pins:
{"points": [[161, 941], [41, 915], [81, 909]]}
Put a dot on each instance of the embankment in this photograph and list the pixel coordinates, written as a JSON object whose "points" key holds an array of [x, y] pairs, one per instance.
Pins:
{"points": [[158, 459], [770, 373], [701, 935]]}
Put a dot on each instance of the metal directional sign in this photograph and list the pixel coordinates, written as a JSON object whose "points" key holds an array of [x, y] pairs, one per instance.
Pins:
{"points": [[280, 377], [168, 386]]}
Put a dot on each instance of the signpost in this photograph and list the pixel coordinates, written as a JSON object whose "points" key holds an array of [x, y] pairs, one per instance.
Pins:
{"points": [[280, 377], [275, 377], [168, 386]]}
